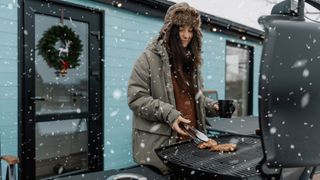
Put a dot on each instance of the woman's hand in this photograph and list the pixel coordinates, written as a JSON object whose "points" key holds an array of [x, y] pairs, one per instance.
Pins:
{"points": [[176, 125], [216, 107]]}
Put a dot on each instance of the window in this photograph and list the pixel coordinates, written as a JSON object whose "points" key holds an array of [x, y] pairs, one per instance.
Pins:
{"points": [[239, 76]]}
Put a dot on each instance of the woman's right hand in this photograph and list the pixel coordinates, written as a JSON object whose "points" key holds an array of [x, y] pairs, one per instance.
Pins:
{"points": [[176, 125]]}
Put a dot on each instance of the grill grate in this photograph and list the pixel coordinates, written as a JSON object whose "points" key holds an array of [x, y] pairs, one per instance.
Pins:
{"points": [[241, 163]]}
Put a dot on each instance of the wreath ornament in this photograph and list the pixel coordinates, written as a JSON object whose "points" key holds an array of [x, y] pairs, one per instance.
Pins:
{"points": [[60, 47]]}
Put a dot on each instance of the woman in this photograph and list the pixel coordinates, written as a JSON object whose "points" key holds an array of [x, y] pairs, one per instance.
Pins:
{"points": [[164, 90]]}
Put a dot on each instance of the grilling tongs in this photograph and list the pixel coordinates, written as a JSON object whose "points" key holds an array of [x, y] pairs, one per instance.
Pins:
{"points": [[198, 136]]}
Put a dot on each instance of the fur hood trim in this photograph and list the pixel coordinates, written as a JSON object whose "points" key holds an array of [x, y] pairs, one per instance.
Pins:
{"points": [[181, 14]]}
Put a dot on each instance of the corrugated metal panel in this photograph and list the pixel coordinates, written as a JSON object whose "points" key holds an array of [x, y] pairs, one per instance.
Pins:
{"points": [[125, 41], [213, 68], [8, 78]]}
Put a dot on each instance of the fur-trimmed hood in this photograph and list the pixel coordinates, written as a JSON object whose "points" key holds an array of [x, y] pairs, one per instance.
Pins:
{"points": [[181, 14]]}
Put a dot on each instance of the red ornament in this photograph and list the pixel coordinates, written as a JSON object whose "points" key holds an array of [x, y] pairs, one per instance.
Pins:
{"points": [[64, 66]]}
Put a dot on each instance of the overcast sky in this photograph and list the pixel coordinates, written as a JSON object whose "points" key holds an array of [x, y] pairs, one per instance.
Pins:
{"points": [[245, 12]]}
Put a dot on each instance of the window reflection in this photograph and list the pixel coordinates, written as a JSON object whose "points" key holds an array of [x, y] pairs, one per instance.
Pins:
{"points": [[63, 144], [237, 77]]}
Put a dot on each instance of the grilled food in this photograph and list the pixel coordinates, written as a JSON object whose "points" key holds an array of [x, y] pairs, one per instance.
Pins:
{"points": [[209, 144], [212, 145], [224, 148]]}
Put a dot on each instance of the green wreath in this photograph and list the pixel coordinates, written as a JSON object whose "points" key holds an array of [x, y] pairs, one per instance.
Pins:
{"points": [[63, 58]]}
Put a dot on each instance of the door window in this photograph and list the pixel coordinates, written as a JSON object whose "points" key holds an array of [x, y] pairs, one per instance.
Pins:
{"points": [[68, 94], [61, 146]]}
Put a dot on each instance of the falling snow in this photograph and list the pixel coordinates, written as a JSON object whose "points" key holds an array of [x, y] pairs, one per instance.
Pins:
{"points": [[305, 100], [113, 113], [155, 128], [273, 130], [117, 94], [305, 73], [299, 64], [112, 151]]}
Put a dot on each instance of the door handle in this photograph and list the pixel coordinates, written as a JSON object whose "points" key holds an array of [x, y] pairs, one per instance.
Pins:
{"points": [[96, 33], [37, 98]]}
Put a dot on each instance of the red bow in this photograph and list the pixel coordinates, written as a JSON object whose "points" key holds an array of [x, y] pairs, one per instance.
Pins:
{"points": [[65, 66]]}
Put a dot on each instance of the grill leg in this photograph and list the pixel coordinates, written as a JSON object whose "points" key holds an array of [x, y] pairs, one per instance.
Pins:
{"points": [[292, 173], [307, 173], [11, 172]]}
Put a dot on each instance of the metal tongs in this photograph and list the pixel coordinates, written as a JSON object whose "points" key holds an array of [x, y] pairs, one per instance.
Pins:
{"points": [[196, 135]]}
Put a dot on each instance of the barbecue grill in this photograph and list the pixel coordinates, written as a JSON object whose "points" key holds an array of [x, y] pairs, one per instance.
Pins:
{"points": [[289, 110], [186, 160]]}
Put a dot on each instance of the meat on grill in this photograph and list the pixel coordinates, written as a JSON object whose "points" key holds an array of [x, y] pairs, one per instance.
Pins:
{"points": [[209, 144], [214, 146], [224, 148]]}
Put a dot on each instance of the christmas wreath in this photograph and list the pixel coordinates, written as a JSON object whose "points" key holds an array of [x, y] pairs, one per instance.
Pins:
{"points": [[60, 47]]}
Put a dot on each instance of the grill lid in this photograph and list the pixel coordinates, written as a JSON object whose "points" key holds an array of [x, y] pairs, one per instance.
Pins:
{"points": [[289, 110]]}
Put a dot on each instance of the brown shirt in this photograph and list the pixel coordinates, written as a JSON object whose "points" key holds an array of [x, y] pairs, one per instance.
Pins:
{"points": [[185, 103]]}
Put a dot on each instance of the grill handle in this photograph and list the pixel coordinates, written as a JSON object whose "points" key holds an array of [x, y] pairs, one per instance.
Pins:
{"points": [[127, 176]]}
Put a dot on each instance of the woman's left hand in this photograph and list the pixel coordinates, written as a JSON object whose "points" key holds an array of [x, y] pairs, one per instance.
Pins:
{"points": [[216, 107]]}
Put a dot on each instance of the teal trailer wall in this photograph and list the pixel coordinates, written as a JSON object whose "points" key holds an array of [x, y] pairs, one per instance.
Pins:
{"points": [[126, 36], [8, 78]]}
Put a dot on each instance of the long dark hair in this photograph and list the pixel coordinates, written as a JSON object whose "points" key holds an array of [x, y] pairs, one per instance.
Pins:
{"points": [[184, 61]]}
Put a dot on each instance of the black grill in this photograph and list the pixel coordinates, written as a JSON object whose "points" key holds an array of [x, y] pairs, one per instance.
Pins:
{"points": [[186, 160]]}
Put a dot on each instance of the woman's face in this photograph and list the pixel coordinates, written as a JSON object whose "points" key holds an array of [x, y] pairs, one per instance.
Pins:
{"points": [[185, 34]]}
